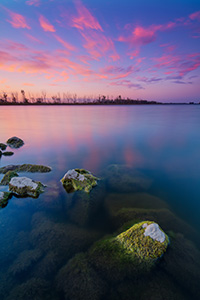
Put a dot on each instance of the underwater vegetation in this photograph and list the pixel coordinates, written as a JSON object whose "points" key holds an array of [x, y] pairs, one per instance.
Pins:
{"points": [[100, 245]]}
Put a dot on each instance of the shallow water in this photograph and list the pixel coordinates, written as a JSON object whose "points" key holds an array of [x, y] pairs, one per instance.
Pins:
{"points": [[158, 145]]}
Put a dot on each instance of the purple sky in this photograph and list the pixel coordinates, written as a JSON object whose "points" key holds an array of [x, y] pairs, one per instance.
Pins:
{"points": [[138, 49]]}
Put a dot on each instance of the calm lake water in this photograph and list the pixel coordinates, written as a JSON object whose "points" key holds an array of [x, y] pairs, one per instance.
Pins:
{"points": [[158, 147]]}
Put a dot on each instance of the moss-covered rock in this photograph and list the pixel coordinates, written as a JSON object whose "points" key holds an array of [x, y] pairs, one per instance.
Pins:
{"points": [[24, 186], [25, 261], [15, 142], [131, 253], [3, 146], [114, 202], [122, 179], [84, 208], [182, 264], [7, 177], [78, 180], [34, 288], [25, 168], [78, 280], [4, 197], [7, 153], [164, 217]]}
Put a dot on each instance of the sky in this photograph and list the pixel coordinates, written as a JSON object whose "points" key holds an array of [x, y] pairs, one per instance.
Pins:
{"points": [[142, 49]]}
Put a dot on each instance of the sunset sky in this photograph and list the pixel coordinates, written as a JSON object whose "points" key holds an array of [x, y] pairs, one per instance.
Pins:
{"points": [[147, 49]]}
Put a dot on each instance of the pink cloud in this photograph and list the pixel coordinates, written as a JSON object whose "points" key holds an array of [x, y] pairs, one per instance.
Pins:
{"points": [[85, 19], [46, 25], [141, 36], [17, 20], [28, 84], [180, 65], [97, 44], [114, 72], [195, 16], [33, 38], [64, 43], [127, 83], [33, 2]]}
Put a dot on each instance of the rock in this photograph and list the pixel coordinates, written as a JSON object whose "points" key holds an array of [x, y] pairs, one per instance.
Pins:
{"points": [[0, 153], [154, 232], [7, 177], [128, 254], [183, 255], [4, 197], [25, 168], [24, 186], [164, 217], [78, 280], [15, 142], [7, 153], [78, 179], [121, 179], [3, 146]]}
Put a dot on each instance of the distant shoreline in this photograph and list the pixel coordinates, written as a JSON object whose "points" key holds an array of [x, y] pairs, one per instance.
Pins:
{"points": [[93, 104]]}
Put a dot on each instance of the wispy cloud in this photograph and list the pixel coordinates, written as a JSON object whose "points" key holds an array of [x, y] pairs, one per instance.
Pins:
{"points": [[33, 2], [127, 83], [195, 16], [17, 20], [67, 45], [85, 19], [46, 25]]}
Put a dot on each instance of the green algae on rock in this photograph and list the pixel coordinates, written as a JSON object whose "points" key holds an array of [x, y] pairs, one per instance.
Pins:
{"points": [[7, 153], [25, 168], [3, 146], [24, 186], [7, 177], [78, 180], [4, 197], [130, 253], [15, 142]]}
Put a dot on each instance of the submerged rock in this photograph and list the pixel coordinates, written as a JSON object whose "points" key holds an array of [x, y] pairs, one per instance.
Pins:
{"points": [[7, 153], [4, 197], [7, 177], [25, 168], [120, 178], [24, 186], [78, 179], [15, 142], [3, 146], [130, 253], [78, 280]]}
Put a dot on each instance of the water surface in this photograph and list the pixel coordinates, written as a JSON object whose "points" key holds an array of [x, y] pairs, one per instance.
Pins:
{"points": [[39, 236]]}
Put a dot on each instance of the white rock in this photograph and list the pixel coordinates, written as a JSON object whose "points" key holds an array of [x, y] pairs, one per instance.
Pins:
{"points": [[1, 195], [144, 225], [21, 182], [154, 232], [72, 174]]}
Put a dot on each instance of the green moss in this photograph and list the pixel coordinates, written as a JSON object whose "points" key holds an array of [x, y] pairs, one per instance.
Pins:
{"points": [[27, 190], [71, 185], [8, 153], [4, 199], [3, 146], [15, 142], [128, 254], [7, 177], [25, 168]]}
